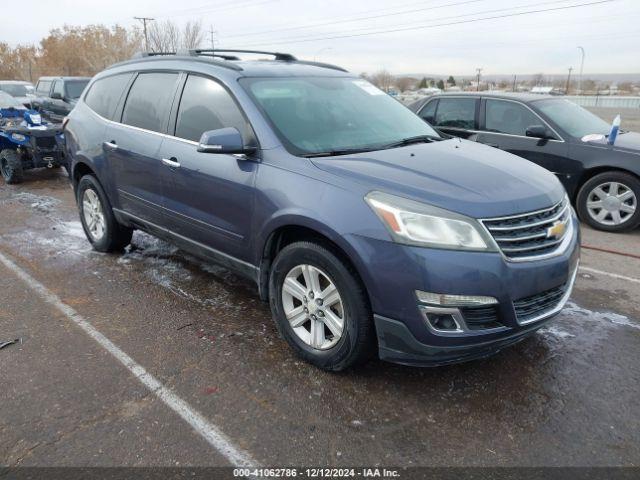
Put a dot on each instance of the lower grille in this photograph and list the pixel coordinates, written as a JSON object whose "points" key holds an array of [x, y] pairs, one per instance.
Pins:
{"points": [[46, 142], [529, 308], [531, 234], [481, 318]]}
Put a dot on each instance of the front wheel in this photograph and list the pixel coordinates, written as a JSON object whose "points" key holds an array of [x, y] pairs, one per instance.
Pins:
{"points": [[320, 306], [609, 202], [10, 166], [99, 224]]}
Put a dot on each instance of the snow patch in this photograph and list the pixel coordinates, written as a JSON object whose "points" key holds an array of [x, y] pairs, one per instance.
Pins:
{"points": [[573, 310], [40, 203], [556, 332]]}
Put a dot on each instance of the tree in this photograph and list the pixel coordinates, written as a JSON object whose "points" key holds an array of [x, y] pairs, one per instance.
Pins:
{"points": [[440, 84], [86, 50], [382, 79], [537, 80], [451, 81], [423, 83], [168, 37], [404, 83]]}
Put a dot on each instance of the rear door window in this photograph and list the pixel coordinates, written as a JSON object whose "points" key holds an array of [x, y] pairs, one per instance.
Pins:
{"points": [[456, 113], [105, 93], [43, 87], [509, 117], [206, 105], [149, 101], [58, 87], [428, 112]]}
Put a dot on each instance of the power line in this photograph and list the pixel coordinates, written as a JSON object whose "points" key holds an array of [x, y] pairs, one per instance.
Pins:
{"points": [[353, 19], [484, 12], [219, 8], [419, 27]]}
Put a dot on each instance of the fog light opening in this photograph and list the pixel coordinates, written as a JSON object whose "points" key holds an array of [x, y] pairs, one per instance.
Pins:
{"points": [[444, 322]]}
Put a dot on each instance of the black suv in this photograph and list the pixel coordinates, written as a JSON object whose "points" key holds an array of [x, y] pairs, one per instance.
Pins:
{"points": [[56, 96], [603, 181]]}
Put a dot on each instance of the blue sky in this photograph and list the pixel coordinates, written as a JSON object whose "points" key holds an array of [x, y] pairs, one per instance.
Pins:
{"points": [[435, 36]]}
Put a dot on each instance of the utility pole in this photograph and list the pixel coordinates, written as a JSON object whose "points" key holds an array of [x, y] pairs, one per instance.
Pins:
{"points": [[479, 70], [144, 21], [581, 68], [566, 90], [514, 82], [212, 33]]}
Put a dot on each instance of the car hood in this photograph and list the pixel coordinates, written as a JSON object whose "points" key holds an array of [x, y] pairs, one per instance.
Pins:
{"points": [[629, 141], [457, 175]]}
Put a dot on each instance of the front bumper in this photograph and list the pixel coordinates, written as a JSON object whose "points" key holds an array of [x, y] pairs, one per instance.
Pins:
{"points": [[393, 274]]}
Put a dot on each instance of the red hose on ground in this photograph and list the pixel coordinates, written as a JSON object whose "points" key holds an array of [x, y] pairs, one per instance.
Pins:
{"points": [[615, 252]]}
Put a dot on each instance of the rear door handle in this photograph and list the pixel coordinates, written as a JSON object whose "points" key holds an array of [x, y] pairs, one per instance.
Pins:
{"points": [[171, 162], [111, 145]]}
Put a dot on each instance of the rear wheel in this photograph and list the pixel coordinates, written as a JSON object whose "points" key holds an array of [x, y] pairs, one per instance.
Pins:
{"points": [[99, 224], [10, 166], [321, 307], [609, 202]]}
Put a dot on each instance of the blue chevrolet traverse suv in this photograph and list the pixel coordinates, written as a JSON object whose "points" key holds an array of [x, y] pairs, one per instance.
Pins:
{"points": [[363, 228]]}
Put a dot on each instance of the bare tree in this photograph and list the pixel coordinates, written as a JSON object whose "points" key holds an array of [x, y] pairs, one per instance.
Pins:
{"points": [[382, 79], [405, 83], [192, 35], [537, 80], [168, 37]]}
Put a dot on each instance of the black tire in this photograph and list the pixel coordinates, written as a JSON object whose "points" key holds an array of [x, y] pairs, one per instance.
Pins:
{"points": [[629, 181], [115, 236], [357, 343], [11, 166]]}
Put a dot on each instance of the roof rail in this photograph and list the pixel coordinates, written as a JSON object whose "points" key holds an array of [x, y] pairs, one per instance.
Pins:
{"points": [[150, 54], [224, 62], [200, 53], [283, 57], [322, 65]]}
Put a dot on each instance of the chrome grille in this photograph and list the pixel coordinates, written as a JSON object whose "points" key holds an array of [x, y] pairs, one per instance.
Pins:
{"points": [[529, 308], [531, 234], [481, 317]]}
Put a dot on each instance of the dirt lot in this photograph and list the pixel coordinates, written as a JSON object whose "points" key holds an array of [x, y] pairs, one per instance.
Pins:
{"points": [[567, 396], [630, 116]]}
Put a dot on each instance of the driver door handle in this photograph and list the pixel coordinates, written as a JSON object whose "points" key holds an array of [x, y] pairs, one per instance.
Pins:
{"points": [[171, 162], [111, 145]]}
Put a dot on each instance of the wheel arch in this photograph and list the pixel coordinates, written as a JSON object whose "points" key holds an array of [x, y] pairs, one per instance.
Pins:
{"points": [[293, 229], [592, 172]]}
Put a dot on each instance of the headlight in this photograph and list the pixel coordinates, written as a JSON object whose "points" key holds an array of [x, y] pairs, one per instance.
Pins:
{"points": [[415, 223], [18, 137]]}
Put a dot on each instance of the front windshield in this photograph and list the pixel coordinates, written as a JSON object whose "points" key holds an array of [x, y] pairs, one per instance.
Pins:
{"points": [[572, 118], [74, 88], [7, 101], [15, 89], [330, 114]]}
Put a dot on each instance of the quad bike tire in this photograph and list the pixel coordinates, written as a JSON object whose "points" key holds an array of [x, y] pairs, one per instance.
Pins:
{"points": [[11, 166]]}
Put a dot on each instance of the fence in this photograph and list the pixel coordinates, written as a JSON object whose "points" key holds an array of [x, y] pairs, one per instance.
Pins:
{"points": [[605, 101]]}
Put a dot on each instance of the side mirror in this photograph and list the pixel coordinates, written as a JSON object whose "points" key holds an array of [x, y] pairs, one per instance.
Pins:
{"points": [[56, 96], [429, 119], [224, 140], [537, 131]]}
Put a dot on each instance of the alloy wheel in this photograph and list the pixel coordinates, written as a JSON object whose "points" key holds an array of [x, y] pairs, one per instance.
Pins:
{"points": [[612, 203], [313, 307], [93, 214]]}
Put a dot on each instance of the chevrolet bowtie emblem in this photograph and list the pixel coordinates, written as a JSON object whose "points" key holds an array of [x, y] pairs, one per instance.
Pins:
{"points": [[556, 230]]}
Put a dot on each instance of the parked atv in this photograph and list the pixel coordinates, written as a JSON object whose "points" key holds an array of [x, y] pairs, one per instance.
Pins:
{"points": [[26, 141]]}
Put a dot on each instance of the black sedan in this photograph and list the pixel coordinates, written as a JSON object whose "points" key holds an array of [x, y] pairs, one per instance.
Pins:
{"points": [[603, 181]]}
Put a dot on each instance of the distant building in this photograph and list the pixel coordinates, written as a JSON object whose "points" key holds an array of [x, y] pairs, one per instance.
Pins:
{"points": [[544, 90]]}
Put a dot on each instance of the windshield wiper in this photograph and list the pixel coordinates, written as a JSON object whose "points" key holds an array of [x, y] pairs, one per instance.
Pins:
{"points": [[335, 153], [412, 140]]}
